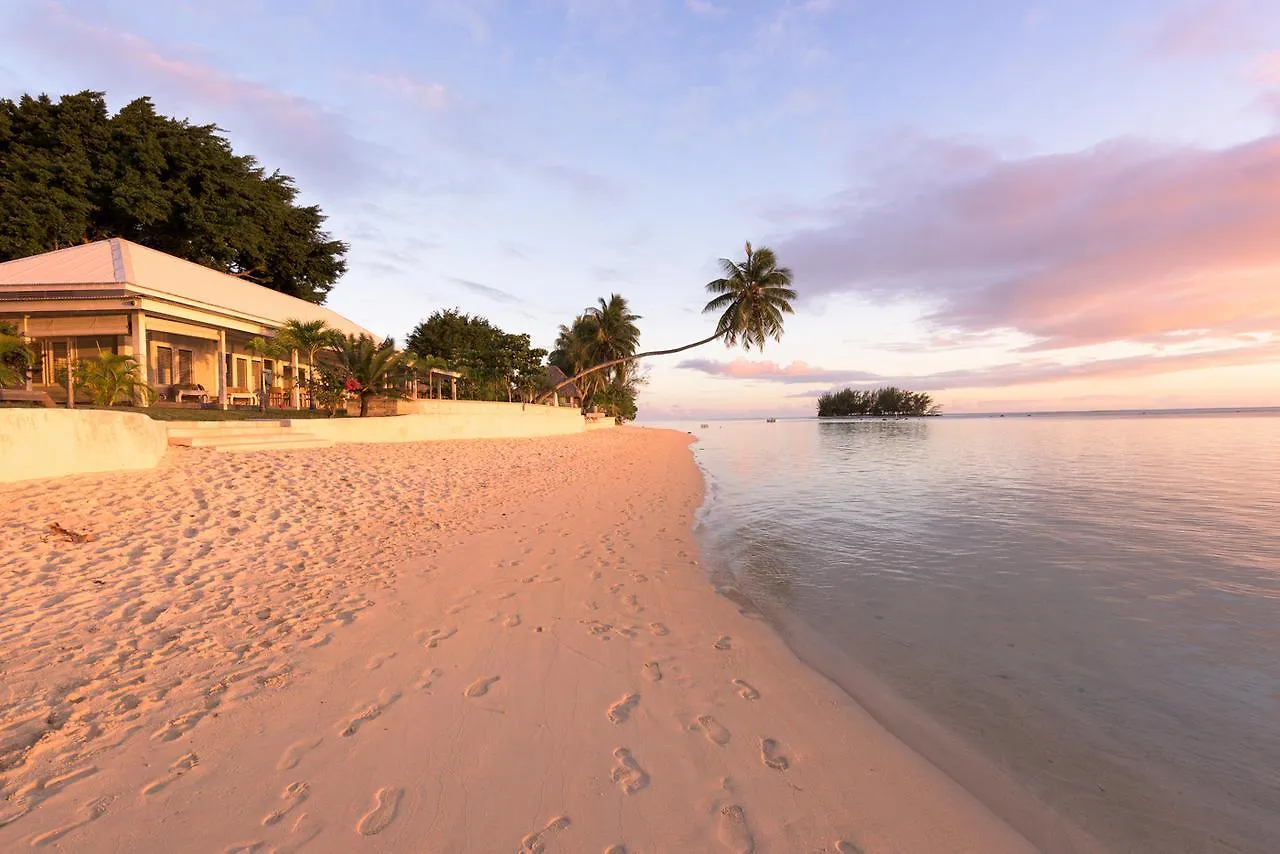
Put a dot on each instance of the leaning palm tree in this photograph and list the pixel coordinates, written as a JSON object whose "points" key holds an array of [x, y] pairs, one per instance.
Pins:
{"points": [[752, 297], [309, 338], [366, 365]]}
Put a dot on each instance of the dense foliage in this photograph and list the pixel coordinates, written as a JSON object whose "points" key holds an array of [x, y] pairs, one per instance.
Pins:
{"points": [[16, 357], [71, 173], [112, 378], [882, 401], [606, 335], [752, 299], [496, 365]]}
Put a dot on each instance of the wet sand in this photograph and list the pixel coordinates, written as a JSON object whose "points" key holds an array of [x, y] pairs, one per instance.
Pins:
{"points": [[462, 646]]}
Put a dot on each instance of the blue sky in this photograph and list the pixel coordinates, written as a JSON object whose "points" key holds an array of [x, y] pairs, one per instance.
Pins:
{"points": [[1011, 204]]}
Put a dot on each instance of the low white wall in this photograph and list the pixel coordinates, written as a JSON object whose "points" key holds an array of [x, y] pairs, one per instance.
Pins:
{"points": [[451, 419], [38, 443]]}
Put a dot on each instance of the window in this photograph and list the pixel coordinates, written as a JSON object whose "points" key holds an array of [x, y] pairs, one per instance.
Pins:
{"points": [[242, 373], [164, 365], [186, 372]]}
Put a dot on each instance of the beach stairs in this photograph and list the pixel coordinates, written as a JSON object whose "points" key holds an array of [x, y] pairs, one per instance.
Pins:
{"points": [[243, 436]]}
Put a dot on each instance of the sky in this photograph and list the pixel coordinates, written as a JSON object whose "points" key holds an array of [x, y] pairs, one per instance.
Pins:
{"points": [[1010, 204]]}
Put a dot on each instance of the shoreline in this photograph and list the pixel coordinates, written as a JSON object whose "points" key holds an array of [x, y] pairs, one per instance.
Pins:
{"points": [[997, 788], [460, 646]]}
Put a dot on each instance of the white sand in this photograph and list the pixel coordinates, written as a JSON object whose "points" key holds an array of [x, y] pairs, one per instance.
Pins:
{"points": [[450, 647]]}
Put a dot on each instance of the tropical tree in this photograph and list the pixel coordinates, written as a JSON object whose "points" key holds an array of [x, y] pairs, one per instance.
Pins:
{"points": [[850, 402], [308, 338], [74, 173], [494, 364], [112, 378], [16, 356], [367, 367], [752, 298]]}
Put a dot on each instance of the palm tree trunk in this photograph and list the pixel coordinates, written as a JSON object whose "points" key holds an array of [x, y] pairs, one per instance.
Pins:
{"points": [[612, 362], [311, 381]]}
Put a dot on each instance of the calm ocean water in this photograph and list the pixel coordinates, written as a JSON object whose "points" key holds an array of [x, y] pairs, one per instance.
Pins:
{"points": [[1091, 605]]}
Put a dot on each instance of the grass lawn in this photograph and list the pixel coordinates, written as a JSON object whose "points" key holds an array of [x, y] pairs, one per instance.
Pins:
{"points": [[175, 413]]}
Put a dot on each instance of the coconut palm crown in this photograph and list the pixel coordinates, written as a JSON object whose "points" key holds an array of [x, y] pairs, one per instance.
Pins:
{"points": [[752, 297]]}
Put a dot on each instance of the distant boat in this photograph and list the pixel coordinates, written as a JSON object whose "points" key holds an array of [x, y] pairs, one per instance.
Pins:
{"points": [[770, 420], [704, 425]]}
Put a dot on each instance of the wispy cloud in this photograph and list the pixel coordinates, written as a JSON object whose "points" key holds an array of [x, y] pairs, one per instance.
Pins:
{"points": [[1124, 241], [274, 117], [495, 294], [430, 94], [1203, 28], [705, 8], [996, 376]]}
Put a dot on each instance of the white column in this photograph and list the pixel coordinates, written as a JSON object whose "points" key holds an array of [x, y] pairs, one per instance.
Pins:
{"points": [[453, 387], [222, 369], [297, 391], [140, 353], [27, 340], [71, 376]]}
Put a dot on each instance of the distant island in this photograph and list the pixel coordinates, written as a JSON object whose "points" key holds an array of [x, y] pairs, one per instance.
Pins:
{"points": [[890, 400]]}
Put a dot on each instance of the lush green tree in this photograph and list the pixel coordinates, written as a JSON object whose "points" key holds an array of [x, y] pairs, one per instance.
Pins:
{"points": [[71, 173], [888, 401], [495, 364], [752, 299], [367, 367], [16, 357], [112, 378]]}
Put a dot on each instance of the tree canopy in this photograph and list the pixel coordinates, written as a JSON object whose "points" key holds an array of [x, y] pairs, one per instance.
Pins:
{"points": [[495, 364], [72, 173], [890, 400], [606, 335]]}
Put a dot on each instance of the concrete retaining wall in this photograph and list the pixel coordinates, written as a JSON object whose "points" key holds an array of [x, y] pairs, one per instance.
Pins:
{"points": [[451, 419], [37, 443]]}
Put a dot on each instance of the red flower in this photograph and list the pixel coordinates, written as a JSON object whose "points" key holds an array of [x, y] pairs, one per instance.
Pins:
{"points": [[352, 384]]}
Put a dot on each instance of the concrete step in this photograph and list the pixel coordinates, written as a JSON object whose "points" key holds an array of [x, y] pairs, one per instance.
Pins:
{"points": [[204, 438], [294, 443]]}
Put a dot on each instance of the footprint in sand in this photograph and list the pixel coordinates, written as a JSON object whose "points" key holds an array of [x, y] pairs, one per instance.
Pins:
{"points": [[378, 819], [457, 609], [371, 711], [95, 810], [480, 687], [632, 602], [734, 833], [745, 690], [659, 630], [431, 638], [621, 710], [713, 730], [616, 849], [628, 774], [176, 727], [511, 621], [293, 794], [533, 844], [293, 753], [844, 847], [653, 671], [615, 588], [769, 755], [723, 642], [427, 678], [506, 595], [176, 770], [378, 660]]}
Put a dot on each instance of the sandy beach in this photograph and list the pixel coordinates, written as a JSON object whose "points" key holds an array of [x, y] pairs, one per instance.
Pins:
{"points": [[447, 647]]}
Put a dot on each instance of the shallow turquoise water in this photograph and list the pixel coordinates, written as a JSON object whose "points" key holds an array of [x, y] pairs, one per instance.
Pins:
{"points": [[1093, 603]]}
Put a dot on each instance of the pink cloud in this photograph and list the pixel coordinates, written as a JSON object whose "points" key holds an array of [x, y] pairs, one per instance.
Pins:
{"points": [[310, 139], [1203, 27], [1124, 241], [995, 376]]}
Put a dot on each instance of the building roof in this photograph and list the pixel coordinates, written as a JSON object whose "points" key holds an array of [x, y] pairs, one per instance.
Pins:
{"points": [[556, 376], [147, 271]]}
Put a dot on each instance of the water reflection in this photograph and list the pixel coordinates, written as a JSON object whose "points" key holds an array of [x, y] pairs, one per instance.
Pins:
{"points": [[1091, 601]]}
